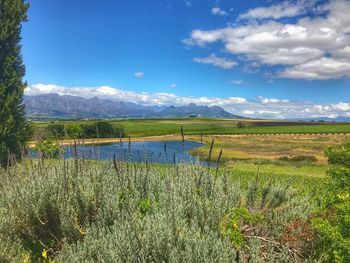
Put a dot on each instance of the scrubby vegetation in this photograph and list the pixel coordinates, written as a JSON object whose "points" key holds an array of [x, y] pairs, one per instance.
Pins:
{"points": [[299, 158], [48, 149], [104, 211], [333, 221], [90, 212], [80, 211]]}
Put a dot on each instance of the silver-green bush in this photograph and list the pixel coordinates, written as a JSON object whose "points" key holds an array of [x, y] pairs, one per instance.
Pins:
{"points": [[87, 211]]}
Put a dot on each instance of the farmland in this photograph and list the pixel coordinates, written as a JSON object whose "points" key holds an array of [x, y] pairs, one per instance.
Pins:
{"points": [[273, 147], [212, 126], [270, 144]]}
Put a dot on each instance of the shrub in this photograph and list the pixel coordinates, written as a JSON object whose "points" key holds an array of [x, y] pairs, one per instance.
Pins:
{"points": [[299, 158], [56, 131], [48, 149], [101, 130], [74, 131], [339, 155], [88, 131], [87, 211], [333, 222], [107, 130], [241, 125]]}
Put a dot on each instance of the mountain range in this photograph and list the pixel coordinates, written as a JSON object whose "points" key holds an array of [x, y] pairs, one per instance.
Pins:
{"points": [[325, 119], [56, 106]]}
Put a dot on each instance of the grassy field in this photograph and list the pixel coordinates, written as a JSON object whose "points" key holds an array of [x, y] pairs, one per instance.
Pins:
{"points": [[260, 142], [212, 126], [271, 147], [246, 152]]}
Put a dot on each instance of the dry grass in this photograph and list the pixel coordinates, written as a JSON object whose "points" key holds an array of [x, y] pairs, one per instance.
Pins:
{"points": [[271, 147]]}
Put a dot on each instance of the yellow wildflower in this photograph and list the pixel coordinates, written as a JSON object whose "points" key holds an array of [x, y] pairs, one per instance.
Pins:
{"points": [[44, 253], [343, 196], [26, 258]]}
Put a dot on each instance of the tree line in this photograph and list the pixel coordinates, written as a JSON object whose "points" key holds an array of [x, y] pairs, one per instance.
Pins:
{"points": [[100, 129]]}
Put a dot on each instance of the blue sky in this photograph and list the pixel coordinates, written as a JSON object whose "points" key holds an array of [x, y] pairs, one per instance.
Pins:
{"points": [[276, 55]]}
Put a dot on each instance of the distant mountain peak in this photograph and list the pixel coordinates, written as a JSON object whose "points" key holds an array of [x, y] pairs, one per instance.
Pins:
{"points": [[55, 106]]}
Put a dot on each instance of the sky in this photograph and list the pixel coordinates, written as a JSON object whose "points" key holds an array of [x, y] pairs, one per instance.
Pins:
{"points": [[266, 59]]}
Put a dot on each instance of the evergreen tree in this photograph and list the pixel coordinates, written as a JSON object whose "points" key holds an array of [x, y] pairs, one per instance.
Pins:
{"points": [[13, 125]]}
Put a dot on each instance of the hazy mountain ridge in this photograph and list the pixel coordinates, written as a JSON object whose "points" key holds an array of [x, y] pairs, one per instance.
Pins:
{"points": [[325, 119], [54, 105]]}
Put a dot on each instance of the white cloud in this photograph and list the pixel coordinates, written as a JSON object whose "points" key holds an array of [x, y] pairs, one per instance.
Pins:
{"points": [[342, 53], [224, 63], [139, 74], [248, 112], [173, 85], [265, 101], [316, 47], [321, 69], [276, 11], [106, 92], [261, 107], [238, 82], [218, 11]]}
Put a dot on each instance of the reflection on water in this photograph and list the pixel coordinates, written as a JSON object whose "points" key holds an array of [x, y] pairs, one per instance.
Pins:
{"points": [[162, 152]]}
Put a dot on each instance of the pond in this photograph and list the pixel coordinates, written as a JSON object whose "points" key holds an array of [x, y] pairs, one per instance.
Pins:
{"points": [[162, 152]]}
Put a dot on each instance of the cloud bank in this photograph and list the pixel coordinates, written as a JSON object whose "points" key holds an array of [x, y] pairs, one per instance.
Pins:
{"points": [[311, 47], [260, 107]]}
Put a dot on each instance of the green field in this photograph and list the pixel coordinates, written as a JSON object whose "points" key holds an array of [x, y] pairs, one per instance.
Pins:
{"points": [[211, 126], [258, 142]]}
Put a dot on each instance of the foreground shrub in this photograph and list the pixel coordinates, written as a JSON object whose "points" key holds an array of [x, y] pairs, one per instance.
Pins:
{"points": [[48, 149], [79, 211], [333, 222]]}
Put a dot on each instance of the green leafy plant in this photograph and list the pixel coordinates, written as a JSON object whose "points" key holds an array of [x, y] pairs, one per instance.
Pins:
{"points": [[333, 222], [101, 129], [98, 211], [48, 149], [56, 131], [74, 131], [232, 223]]}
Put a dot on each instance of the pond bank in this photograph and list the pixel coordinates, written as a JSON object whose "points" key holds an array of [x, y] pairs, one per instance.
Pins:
{"points": [[102, 141]]}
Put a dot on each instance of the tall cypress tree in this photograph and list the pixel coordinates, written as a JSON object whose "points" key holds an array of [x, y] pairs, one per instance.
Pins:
{"points": [[13, 125]]}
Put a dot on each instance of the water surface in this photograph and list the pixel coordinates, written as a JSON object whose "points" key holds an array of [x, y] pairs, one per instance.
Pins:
{"points": [[162, 152]]}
